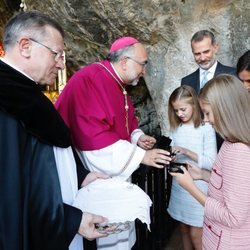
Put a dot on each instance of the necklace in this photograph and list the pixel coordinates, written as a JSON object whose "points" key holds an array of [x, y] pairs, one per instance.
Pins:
{"points": [[124, 92]]}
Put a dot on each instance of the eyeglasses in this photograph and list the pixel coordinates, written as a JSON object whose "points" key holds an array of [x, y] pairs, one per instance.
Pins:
{"points": [[59, 55], [143, 64]]}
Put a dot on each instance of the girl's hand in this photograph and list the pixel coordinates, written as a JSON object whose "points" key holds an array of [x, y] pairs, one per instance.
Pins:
{"points": [[195, 172], [185, 179], [179, 150], [199, 173], [190, 154]]}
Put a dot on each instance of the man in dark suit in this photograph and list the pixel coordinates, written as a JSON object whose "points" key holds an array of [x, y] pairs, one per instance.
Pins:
{"points": [[204, 48]]}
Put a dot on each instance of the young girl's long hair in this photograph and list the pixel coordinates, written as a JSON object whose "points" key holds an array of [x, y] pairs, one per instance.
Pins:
{"points": [[230, 104], [188, 95]]}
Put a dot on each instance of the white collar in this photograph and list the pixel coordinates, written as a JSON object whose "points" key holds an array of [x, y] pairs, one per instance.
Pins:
{"points": [[210, 71], [117, 73]]}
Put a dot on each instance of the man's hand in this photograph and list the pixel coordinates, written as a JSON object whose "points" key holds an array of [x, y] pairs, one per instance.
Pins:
{"points": [[87, 227], [156, 158], [92, 176], [146, 142]]}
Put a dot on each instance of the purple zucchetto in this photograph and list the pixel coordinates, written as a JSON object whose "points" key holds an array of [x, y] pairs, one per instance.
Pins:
{"points": [[122, 42]]}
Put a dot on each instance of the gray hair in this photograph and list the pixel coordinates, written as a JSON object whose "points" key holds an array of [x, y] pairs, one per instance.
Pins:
{"points": [[200, 35], [30, 23], [118, 54]]}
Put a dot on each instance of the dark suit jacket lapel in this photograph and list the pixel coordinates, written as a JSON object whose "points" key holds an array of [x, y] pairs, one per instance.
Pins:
{"points": [[196, 80], [219, 69]]}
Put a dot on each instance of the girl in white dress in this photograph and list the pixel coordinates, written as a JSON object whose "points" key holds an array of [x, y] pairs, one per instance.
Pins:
{"points": [[194, 142]]}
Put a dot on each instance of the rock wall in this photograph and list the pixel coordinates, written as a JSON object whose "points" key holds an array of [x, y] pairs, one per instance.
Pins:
{"points": [[164, 26], [5, 13]]}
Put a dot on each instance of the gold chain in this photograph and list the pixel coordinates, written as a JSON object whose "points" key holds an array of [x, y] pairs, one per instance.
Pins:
{"points": [[124, 92]]}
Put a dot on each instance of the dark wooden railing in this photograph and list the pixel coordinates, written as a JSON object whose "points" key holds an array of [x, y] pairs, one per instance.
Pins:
{"points": [[156, 183]]}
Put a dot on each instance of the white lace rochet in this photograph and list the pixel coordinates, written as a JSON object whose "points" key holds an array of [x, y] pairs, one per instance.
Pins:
{"points": [[118, 200]]}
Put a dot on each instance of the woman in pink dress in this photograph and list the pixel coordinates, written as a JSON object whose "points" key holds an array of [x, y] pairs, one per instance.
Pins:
{"points": [[225, 104]]}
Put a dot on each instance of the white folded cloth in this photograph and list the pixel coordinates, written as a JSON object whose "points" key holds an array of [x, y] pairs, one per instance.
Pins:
{"points": [[118, 200]]}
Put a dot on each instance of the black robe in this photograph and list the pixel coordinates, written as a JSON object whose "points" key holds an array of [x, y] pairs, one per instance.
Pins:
{"points": [[32, 213]]}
